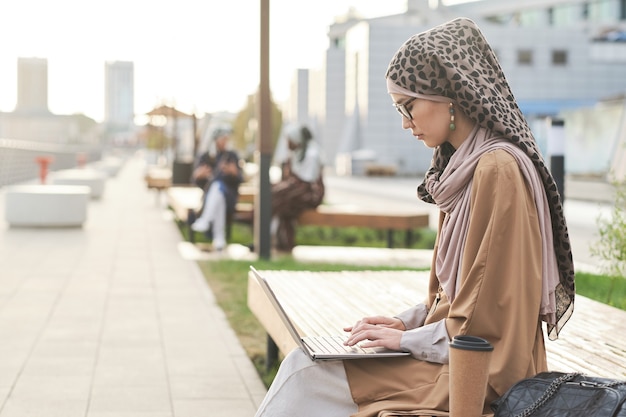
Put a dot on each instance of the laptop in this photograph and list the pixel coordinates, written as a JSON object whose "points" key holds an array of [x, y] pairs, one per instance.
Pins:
{"points": [[322, 347]]}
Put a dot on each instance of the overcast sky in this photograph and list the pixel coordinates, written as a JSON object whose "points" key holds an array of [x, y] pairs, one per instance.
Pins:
{"points": [[201, 55]]}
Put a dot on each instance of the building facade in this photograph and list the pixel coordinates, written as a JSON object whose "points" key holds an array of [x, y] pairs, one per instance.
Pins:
{"points": [[558, 55], [32, 86], [32, 120], [119, 95]]}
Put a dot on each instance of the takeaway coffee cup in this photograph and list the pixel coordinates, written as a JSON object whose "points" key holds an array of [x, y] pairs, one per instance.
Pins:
{"points": [[469, 369]]}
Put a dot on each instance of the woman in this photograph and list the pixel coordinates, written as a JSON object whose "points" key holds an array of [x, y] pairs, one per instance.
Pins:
{"points": [[300, 188], [502, 263]]}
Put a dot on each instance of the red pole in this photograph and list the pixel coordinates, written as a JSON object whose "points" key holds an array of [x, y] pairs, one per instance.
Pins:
{"points": [[81, 159], [44, 163]]}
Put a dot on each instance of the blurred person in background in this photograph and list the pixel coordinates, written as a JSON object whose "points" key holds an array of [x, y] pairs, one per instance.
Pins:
{"points": [[300, 188], [219, 174]]}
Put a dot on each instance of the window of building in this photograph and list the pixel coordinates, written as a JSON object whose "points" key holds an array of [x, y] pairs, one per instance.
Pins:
{"points": [[525, 57], [339, 42], [559, 57], [531, 18], [567, 15], [550, 12], [603, 10]]}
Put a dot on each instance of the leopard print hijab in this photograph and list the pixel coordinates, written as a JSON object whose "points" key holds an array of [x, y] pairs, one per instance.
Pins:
{"points": [[454, 60]]}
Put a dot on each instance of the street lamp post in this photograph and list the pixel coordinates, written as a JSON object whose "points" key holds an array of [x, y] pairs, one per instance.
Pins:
{"points": [[556, 152], [263, 204]]}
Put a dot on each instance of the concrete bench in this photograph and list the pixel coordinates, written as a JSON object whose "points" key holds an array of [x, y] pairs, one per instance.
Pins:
{"points": [[109, 165], [35, 205], [187, 200], [593, 342], [91, 178]]}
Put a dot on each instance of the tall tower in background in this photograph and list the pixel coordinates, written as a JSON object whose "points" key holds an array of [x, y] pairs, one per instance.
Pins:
{"points": [[32, 85], [119, 95]]}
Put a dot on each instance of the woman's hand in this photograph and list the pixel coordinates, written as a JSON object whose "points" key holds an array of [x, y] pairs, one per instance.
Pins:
{"points": [[379, 331]]}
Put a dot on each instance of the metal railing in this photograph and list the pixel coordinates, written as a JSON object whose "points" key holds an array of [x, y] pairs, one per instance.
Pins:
{"points": [[18, 158]]}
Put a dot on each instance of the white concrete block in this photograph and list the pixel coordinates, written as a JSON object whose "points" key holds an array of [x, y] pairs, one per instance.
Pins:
{"points": [[92, 178], [109, 165], [41, 205]]}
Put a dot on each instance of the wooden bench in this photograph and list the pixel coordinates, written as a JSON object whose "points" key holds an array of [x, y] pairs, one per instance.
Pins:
{"points": [[159, 178], [593, 342], [346, 216], [186, 200], [351, 216], [379, 170]]}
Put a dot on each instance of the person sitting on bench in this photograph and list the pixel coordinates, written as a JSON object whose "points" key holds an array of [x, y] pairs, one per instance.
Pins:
{"points": [[219, 175], [301, 186]]}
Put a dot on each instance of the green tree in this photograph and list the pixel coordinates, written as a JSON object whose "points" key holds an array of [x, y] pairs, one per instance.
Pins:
{"points": [[245, 126], [157, 139], [611, 248]]}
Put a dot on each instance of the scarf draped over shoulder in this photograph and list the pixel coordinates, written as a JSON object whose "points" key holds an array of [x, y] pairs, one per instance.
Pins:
{"points": [[452, 192]]}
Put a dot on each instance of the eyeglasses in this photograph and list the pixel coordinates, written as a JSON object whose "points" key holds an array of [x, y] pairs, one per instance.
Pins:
{"points": [[402, 109]]}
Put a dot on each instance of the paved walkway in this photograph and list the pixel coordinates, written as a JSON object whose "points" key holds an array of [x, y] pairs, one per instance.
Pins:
{"points": [[115, 319]]}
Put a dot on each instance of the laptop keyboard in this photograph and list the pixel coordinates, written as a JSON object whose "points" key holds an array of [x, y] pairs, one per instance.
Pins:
{"points": [[334, 344]]}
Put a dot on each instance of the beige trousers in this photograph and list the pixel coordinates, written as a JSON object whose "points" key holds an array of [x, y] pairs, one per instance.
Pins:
{"points": [[303, 387]]}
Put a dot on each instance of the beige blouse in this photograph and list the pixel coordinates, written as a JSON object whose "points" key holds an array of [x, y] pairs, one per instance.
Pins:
{"points": [[498, 300]]}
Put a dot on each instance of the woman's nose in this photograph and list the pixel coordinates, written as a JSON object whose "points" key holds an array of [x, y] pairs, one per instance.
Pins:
{"points": [[406, 123]]}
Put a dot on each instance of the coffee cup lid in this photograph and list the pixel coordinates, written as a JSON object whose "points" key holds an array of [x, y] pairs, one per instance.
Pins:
{"points": [[470, 343]]}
